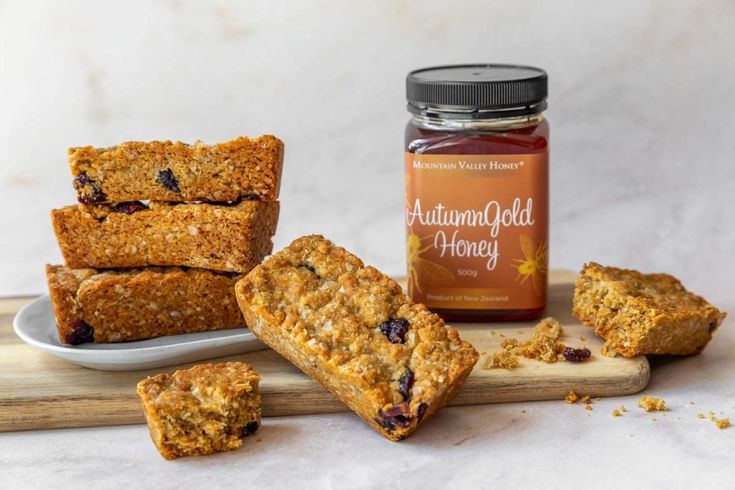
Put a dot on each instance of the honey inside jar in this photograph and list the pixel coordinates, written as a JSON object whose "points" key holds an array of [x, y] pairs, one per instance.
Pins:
{"points": [[477, 193]]}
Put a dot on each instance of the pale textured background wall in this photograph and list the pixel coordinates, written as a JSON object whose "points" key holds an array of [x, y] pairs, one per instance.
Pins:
{"points": [[641, 106]]}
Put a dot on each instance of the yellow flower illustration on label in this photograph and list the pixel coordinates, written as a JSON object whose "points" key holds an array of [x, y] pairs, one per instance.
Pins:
{"points": [[423, 271], [534, 263]]}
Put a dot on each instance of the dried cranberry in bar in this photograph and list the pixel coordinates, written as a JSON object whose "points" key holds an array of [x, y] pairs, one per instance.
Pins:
{"points": [[395, 329], [129, 207], [169, 181], [88, 190]]}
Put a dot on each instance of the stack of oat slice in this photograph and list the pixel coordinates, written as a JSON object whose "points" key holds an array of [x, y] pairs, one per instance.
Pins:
{"points": [[162, 233]]}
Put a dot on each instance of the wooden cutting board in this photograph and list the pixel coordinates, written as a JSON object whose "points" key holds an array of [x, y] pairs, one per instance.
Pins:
{"points": [[38, 391]]}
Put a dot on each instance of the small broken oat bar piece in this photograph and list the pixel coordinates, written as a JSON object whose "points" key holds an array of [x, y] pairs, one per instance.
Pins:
{"points": [[643, 313], [203, 410], [352, 329]]}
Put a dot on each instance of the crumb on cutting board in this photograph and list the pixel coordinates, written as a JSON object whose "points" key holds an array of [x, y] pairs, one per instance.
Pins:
{"points": [[544, 343], [509, 344], [543, 346], [503, 359]]}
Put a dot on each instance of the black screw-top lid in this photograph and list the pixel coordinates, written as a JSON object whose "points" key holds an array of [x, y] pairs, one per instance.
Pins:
{"points": [[476, 90]]}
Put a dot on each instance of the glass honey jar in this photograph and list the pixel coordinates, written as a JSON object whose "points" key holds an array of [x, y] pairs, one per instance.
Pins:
{"points": [[477, 191]]}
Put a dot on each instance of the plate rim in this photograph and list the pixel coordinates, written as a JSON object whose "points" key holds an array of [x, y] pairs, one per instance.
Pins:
{"points": [[62, 349]]}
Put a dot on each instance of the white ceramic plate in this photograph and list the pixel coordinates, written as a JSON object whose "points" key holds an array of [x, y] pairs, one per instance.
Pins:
{"points": [[35, 324]]}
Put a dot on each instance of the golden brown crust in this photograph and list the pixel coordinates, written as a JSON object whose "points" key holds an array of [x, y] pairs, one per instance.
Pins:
{"points": [[203, 410], [322, 309], [220, 237], [220, 172], [643, 313], [136, 304]]}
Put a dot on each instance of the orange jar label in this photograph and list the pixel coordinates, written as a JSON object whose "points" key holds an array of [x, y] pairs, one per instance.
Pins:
{"points": [[477, 230]]}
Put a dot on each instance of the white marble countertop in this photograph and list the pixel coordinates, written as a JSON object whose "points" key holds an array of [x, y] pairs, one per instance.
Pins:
{"points": [[642, 113]]}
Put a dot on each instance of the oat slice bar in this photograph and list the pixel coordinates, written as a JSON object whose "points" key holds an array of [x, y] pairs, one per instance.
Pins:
{"points": [[166, 171], [210, 236], [122, 305], [353, 330]]}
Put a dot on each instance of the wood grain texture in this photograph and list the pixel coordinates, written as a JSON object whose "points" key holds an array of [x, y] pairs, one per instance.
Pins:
{"points": [[38, 391]]}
